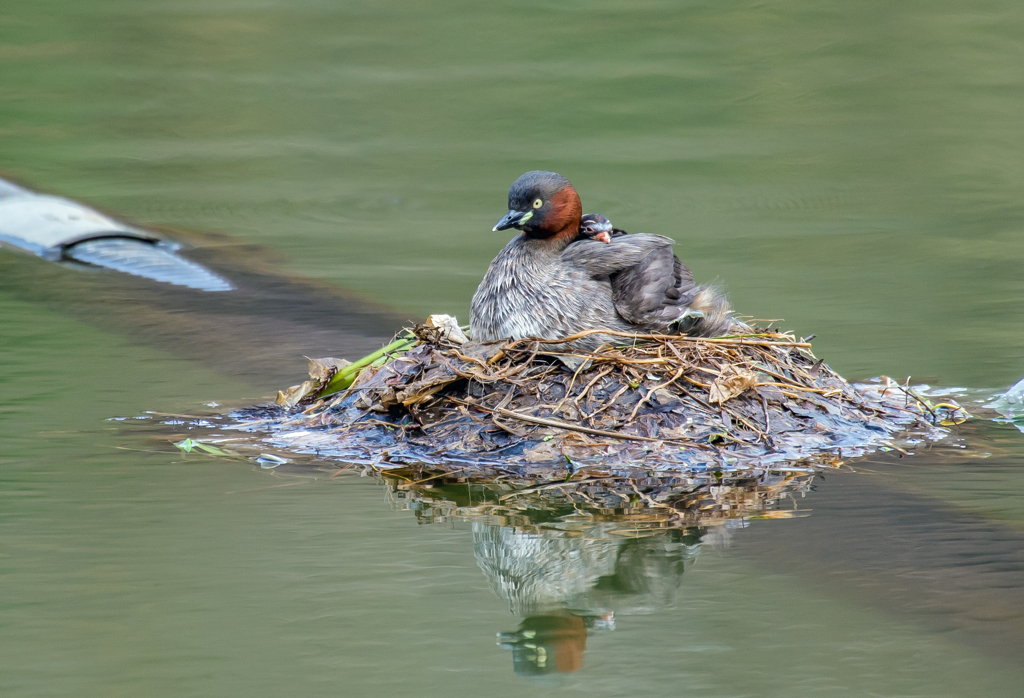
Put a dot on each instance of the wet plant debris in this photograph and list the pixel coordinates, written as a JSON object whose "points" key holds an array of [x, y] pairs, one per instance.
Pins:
{"points": [[435, 399]]}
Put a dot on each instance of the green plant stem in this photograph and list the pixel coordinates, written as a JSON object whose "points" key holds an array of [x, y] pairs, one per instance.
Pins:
{"points": [[346, 376]]}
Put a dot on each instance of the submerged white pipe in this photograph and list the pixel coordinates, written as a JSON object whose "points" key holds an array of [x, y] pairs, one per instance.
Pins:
{"points": [[59, 230]]}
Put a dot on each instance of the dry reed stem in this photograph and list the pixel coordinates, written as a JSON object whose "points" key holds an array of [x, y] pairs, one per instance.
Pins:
{"points": [[608, 403], [586, 430], [650, 392]]}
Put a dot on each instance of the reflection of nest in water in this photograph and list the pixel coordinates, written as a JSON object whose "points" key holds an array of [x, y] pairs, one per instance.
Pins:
{"points": [[600, 507], [669, 404], [596, 544]]}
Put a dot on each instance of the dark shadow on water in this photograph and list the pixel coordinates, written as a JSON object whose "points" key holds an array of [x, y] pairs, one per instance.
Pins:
{"points": [[875, 540], [257, 333]]}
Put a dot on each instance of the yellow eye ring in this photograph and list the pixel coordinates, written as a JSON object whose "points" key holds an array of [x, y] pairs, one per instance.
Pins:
{"points": [[537, 203]]}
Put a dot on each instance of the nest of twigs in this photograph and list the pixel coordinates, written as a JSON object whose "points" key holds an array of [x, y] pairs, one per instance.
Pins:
{"points": [[654, 403]]}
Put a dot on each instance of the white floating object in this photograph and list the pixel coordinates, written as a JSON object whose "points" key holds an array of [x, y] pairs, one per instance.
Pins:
{"points": [[449, 327], [62, 230], [1011, 405]]}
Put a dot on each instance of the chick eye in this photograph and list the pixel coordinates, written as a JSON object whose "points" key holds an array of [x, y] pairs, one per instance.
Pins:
{"points": [[537, 203]]}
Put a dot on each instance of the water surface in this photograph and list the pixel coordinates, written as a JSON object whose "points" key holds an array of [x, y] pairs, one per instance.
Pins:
{"points": [[854, 168]]}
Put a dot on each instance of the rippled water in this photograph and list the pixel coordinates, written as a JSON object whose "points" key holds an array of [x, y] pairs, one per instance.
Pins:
{"points": [[852, 167]]}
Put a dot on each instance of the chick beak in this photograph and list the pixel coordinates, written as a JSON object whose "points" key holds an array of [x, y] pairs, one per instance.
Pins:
{"points": [[513, 219]]}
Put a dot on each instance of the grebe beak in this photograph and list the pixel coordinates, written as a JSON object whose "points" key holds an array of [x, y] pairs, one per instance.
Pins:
{"points": [[513, 219]]}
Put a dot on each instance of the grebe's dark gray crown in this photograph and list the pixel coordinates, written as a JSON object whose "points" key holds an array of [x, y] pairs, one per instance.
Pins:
{"points": [[531, 185]]}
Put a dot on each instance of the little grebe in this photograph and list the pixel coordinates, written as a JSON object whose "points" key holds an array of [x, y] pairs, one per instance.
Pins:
{"points": [[553, 281]]}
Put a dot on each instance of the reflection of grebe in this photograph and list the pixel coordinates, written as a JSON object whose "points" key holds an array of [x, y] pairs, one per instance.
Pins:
{"points": [[564, 585], [567, 558], [549, 643], [541, 572]]}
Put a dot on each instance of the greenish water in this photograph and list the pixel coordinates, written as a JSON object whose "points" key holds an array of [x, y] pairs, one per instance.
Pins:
{"points": [[852, 167]]}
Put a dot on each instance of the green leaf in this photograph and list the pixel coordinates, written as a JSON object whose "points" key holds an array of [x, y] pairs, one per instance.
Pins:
{"points": [[212, 450], [189, 445]]}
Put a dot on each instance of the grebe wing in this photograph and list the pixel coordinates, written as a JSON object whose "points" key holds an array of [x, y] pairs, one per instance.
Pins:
{"points": [[655, 292], [604, 259]]}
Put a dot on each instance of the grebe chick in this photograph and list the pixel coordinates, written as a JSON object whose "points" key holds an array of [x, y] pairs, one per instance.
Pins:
{"points": [[594, 226]]}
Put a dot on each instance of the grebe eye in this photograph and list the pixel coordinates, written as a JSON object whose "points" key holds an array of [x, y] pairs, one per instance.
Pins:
{"points": [[537, 203]]}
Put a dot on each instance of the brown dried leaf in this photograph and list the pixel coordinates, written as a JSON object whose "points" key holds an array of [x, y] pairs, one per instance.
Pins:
{"points": [[368, 378], [543, 452], [324, 369], [292, 396], [683, 431], [433, 381], [732, 382]]}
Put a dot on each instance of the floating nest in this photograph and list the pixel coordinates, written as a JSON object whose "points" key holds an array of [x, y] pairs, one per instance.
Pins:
{"points": [[700, 408]]}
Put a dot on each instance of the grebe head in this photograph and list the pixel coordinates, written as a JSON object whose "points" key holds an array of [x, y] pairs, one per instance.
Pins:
{"points": [[543, 205], [594, 226]]}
